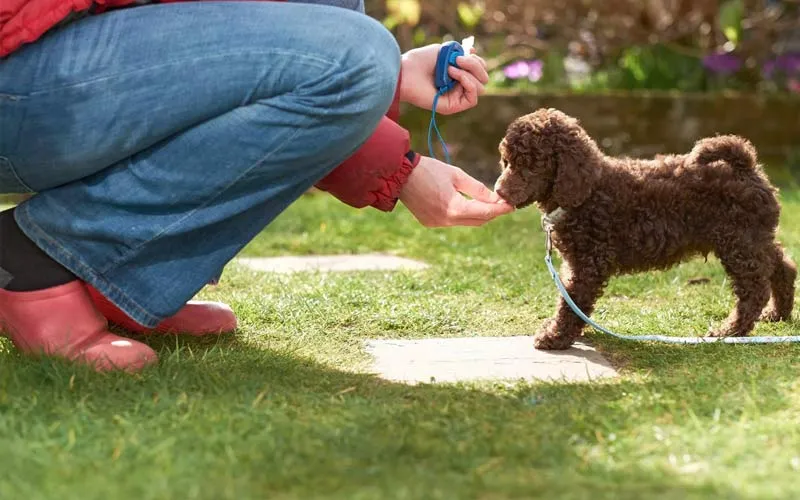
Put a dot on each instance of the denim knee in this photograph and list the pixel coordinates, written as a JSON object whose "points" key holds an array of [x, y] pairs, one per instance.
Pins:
{"points": [[356, 5], [376, 59]]}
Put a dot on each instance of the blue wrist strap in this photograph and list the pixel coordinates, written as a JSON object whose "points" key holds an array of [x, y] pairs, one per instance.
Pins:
{"points": [[433, 127]]}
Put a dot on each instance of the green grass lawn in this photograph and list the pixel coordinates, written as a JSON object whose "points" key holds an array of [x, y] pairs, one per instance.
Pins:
{"points": [[281, 410]]}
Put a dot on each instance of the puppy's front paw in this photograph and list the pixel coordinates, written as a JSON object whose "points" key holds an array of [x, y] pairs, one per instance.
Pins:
{"points": [[719, 333], [548, 338], [728, 330]]}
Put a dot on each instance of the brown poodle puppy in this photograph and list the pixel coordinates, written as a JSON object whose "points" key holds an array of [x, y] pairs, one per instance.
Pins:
{"points": [[624, 215]]}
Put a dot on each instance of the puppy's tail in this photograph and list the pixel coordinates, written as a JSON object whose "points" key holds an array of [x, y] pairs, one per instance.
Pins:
{"points": [[736, 151]]}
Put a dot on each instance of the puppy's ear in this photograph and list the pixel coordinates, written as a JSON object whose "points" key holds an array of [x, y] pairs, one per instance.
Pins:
{"points": [[577, 165]]}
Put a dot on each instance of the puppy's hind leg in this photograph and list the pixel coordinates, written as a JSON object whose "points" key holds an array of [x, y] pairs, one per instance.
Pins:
{"points": [[560, 332], [782, 283], [750, 269]]}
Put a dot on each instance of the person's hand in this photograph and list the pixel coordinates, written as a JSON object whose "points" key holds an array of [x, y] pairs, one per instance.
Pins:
{"points": [[417, 84], [432, 194]]}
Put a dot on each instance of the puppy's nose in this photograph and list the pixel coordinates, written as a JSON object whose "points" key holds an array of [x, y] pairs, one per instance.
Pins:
{"points": [[501, 192]]}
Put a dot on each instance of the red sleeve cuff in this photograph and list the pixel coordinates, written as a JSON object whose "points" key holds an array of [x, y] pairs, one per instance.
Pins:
{"points": [[376, 173], [386, 197]]}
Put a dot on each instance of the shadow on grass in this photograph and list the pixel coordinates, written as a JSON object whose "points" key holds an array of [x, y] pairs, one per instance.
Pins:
{"points": [[227, 419]]}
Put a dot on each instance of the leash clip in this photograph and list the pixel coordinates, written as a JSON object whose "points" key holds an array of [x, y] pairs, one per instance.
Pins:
{"points": [[547, 227], [548, 224], [548, 241]]}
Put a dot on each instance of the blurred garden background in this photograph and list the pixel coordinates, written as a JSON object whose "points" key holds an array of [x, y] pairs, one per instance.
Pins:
{"points": [[644, 76]]}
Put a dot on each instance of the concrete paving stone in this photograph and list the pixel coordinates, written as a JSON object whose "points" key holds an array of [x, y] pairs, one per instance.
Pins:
{"points": [[484, 358], [331, 263]]}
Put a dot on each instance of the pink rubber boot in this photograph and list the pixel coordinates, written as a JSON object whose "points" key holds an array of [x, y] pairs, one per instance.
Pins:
{"points": [[62, 321], [195, 318]]}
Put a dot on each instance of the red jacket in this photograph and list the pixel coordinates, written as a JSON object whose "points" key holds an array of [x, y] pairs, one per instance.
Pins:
{"points": [[373, 176]]}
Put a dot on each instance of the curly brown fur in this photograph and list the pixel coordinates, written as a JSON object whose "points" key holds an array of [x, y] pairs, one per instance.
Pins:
{"points": [[626, 215]]}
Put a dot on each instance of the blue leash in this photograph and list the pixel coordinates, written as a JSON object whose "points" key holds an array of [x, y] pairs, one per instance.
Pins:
{"points": [[547, 225]]}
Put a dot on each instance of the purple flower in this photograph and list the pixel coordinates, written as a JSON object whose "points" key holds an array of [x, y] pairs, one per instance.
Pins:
{"points": [[788, 64], [516, 70], [723, 64], [532, 70]]}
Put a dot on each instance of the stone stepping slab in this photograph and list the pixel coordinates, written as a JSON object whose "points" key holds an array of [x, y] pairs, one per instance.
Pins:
{"points": [[484, 358], [331, 263]]}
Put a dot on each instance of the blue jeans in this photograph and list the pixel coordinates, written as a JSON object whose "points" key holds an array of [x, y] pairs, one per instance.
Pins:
{"points": [[161, 139]]}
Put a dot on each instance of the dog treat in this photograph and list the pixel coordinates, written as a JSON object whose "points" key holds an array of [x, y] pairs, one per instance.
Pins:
{"points": [[467, 44]]}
